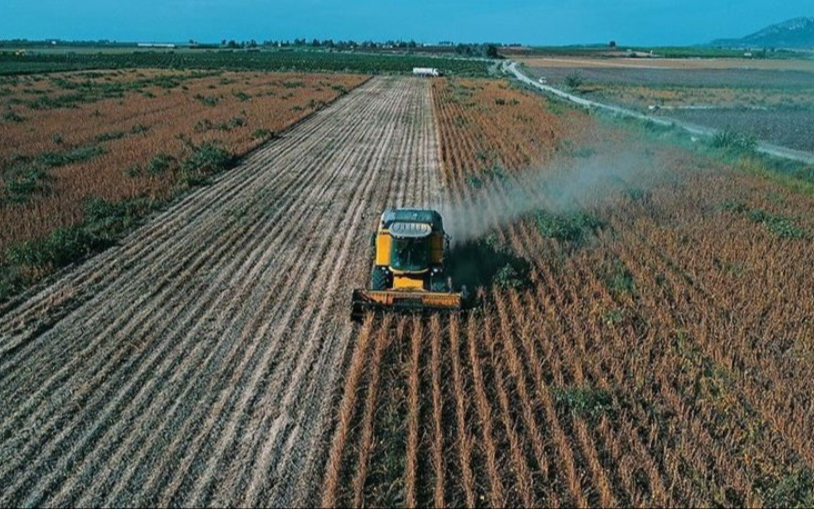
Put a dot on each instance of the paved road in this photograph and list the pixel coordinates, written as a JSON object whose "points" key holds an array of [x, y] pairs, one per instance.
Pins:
{"points": [[763, 147]]}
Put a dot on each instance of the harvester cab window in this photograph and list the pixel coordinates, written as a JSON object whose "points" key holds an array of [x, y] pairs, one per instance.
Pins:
{"points": [[410, 254]]}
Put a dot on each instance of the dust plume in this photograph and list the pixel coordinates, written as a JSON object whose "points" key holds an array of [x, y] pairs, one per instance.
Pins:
{"points": [[590, 180]]}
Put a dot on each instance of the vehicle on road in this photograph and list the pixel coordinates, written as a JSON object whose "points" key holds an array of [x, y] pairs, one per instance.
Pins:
{"points": [[431, 72]]}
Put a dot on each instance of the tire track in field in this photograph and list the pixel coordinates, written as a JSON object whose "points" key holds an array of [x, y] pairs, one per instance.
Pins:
{"points": [[197, 361]]}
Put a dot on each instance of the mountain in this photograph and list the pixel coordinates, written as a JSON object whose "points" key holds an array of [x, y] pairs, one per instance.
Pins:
{"points": [[795, 33]]}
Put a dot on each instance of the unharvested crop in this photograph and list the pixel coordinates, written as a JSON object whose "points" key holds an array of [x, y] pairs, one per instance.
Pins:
{"points": [[655, 353], [104, 139]]}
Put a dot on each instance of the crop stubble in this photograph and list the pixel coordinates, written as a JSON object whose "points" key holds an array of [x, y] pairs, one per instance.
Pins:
{"points": [[195, 363]]}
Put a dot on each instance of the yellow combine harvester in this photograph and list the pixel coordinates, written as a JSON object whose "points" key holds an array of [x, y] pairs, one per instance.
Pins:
{"points": [[409, 267]]}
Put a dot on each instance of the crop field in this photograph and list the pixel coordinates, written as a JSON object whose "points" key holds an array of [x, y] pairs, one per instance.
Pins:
{"points": [[770, 99], [641, 335], [681, 63], [78, 145], [644, 348], [195, 363]]}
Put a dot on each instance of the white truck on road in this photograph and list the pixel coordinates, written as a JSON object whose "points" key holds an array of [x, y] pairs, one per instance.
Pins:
{"points": [[426, 71]]}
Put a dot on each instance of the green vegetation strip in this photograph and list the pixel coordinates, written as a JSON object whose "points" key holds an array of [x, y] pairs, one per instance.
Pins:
{"points": [[729, 147], [274, 60]]}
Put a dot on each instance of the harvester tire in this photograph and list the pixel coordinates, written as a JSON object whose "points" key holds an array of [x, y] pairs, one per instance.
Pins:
{"points": [[378, 279]]}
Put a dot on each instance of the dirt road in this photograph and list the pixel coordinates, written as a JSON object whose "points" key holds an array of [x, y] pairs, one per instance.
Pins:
{"points": [[196, 364]]}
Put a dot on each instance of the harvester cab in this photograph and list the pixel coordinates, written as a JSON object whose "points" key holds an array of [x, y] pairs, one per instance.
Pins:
{"points": [[409, 268]]}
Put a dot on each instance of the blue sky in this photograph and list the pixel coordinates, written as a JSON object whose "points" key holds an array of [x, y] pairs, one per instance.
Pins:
{"points": [[554, 22]]}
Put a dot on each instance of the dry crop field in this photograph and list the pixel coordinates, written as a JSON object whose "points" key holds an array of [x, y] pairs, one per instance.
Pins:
{"points": [[800, 64], [194, 364], [641, 336], [770, 99], [132, 137], [648, 347]]}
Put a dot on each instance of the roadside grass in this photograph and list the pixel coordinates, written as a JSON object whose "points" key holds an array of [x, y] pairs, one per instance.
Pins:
{"points": [[732, 148], [728, 146], [739, 151], [735, 142]]}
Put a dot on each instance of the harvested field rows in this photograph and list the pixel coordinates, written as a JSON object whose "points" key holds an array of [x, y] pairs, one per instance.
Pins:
{"points": [[195, 364], [660, 359]]}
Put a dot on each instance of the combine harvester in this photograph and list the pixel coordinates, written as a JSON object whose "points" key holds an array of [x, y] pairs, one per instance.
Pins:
{"points": [[409, 272]]}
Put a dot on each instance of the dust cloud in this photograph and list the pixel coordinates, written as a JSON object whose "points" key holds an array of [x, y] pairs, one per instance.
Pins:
{"points": [[590, 180]]}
